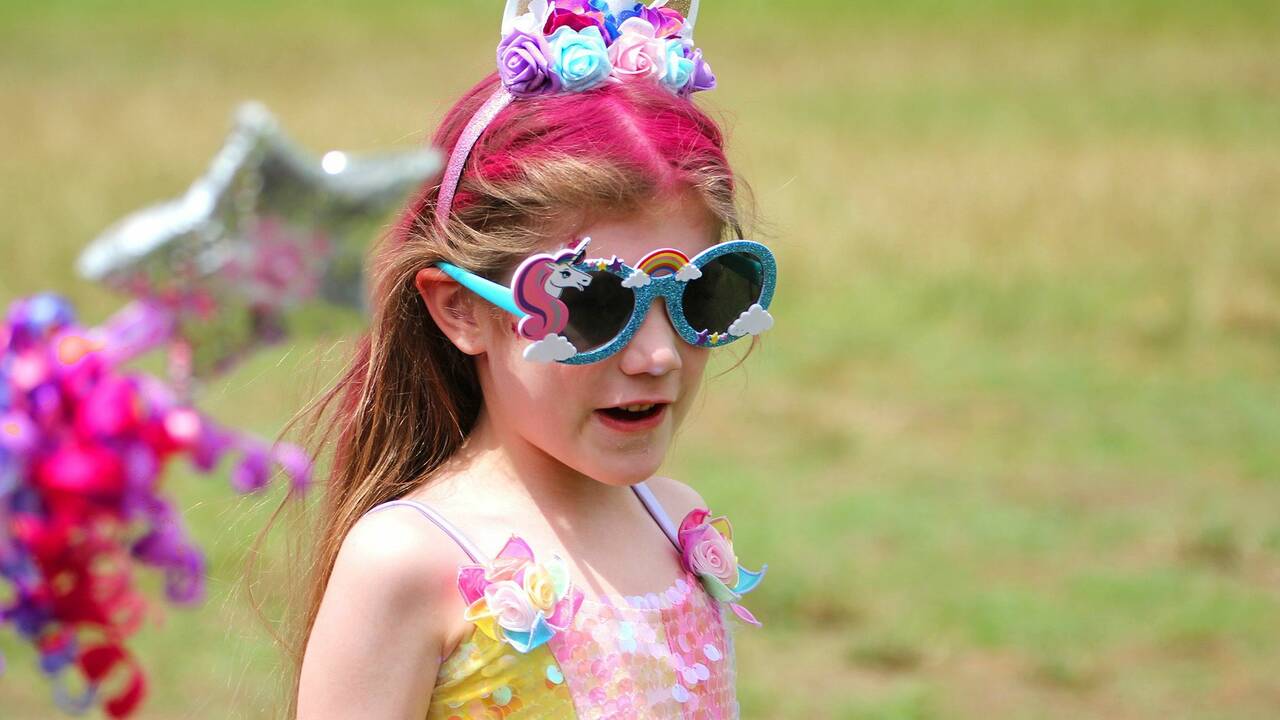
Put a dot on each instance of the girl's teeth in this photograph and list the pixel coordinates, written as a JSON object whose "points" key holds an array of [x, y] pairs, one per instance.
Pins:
{"points": [[637, 408]]}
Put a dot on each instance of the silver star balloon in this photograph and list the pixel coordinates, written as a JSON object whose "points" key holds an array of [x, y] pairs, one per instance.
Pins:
{"points": [[267, 228]]}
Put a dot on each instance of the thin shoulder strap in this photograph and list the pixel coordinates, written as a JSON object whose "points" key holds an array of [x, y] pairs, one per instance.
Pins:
{"points": [[659, 515], [441, 522]]}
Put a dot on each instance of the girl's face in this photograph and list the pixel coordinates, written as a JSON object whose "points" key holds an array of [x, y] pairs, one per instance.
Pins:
{"points": [[574, 413]]}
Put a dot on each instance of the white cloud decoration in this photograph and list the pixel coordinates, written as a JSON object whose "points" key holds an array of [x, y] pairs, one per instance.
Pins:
{"points": [[550, 349], [688, 272], [637, 279], [753, 321]]}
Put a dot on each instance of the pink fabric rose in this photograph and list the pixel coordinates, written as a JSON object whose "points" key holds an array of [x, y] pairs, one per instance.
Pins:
{"points": [[637, 52], [710, 553], [560, 17]]}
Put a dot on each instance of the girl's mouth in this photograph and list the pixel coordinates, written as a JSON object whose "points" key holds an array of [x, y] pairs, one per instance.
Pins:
{"points": [[632, 418]]}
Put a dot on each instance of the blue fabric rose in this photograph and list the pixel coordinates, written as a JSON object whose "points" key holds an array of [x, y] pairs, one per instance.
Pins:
{"points": [[579, 57], [602, 7], [679, 69], [636, 10]]}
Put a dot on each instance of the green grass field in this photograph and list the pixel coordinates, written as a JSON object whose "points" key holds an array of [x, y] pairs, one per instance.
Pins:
{"points": [[1013, 448]]}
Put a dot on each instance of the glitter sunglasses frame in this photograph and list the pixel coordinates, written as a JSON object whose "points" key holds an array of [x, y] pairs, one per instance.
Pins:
{"points": [[670, 287]]}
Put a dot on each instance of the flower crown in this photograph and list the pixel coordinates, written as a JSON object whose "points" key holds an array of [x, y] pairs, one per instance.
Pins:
{"points": [[557, 46], [576, 45]]}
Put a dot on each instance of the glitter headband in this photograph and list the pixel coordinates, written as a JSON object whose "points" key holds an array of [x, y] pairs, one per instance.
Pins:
{"points": [[570, 46]]}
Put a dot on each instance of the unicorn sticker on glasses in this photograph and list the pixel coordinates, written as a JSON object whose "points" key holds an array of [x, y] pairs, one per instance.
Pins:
{"points": [[538, 283]]}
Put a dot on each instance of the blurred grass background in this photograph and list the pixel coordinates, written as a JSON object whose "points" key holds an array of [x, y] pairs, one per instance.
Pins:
{"points": [[1011, 450]]}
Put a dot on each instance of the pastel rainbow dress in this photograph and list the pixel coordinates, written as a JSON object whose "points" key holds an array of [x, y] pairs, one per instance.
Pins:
{"points": [[667, 654]]}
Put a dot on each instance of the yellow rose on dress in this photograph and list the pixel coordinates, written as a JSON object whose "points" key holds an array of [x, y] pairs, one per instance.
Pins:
{"points": [[540, 586]]}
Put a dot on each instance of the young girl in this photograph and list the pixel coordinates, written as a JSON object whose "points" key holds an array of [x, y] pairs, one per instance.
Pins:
{"points": [[495, 540]]}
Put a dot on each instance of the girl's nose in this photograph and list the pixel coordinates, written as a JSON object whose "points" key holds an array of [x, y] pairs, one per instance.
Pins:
{"points": [[655, 347]]}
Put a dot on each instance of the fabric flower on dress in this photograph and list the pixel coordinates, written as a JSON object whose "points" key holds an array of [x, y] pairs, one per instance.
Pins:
{"points": [[706, 550], [516, 600]]}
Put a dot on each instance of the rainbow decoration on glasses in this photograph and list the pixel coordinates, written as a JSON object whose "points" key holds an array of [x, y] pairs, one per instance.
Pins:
{"points": [[666, 261]]}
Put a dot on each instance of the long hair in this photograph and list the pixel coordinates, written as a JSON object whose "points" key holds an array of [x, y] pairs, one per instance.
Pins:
{"points": [[545, 166]]}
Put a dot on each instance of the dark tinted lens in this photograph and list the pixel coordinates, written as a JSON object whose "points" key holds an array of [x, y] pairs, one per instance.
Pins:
{"points": [[598, 313], [729, 285]]}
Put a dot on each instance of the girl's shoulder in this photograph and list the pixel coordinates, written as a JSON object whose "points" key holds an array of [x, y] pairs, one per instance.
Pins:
{"points": [[396, 546], [394, 563], [677, 498], [411, 564]]}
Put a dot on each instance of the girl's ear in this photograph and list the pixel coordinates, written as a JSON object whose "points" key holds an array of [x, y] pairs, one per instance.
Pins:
{"points": [[453, 309]]}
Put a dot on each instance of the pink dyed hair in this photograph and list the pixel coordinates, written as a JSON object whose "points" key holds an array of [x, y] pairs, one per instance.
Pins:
{"points": [[663, 143]]}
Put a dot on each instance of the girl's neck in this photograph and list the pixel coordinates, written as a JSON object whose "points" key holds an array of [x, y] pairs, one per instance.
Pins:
{"points": [[500, 462]]}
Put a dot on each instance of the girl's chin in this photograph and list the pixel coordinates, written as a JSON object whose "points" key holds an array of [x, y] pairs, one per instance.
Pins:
{"points": [[623, 469]]}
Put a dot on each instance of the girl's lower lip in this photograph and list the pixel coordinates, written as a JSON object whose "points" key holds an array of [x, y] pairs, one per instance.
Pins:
{"points": [[632, 425]]}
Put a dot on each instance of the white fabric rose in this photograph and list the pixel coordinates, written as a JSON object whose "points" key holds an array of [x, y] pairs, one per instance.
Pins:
{"points": [[510, 604]]}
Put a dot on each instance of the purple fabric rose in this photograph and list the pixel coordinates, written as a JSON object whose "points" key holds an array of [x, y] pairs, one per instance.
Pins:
{"points": [[670, 24], [522, 64], [701, 78], [666, 22]]}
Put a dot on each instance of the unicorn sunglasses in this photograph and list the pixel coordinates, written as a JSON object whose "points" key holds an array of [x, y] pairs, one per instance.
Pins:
{"points": [[578, 311]]}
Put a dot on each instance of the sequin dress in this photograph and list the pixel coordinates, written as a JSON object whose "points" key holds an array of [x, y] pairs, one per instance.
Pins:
{"points": [[661, 655]]}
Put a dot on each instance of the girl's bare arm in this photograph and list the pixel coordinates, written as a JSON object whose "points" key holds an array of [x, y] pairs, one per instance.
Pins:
{"points": [[388, 611]]}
